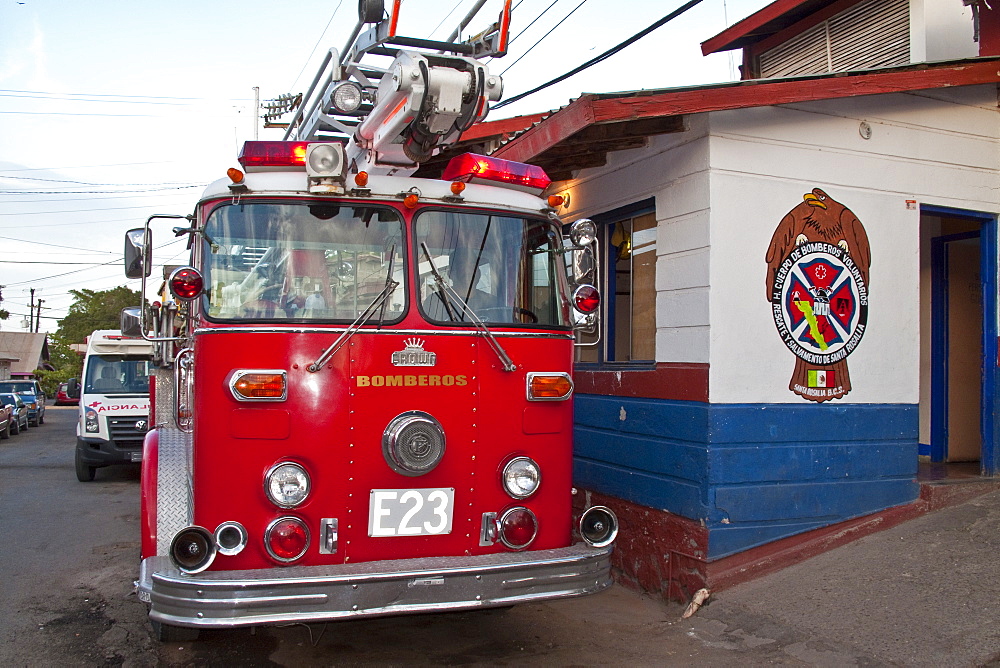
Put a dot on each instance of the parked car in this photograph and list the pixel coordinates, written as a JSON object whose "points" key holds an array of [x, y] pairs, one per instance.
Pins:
{"points": [[6, 420], [63, 397], [19, 411], [32, 394]]}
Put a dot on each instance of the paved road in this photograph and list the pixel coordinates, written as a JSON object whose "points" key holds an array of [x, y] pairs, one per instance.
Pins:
{"points": [[924, 593]]}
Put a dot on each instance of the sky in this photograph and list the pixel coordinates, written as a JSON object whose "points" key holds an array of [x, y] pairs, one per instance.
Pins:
{"points": [[111, 112]]}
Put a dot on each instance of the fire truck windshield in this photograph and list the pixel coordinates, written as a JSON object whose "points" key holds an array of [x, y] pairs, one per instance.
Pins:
{"points": [[507, 269], [302, 262]]}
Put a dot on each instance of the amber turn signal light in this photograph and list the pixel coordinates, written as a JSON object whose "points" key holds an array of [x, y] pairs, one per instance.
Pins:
{"points": [[549, 386]]}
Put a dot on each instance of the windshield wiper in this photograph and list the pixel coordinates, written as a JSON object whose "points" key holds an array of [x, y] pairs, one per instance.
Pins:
{"points": [[444, 290], [352, 329]]}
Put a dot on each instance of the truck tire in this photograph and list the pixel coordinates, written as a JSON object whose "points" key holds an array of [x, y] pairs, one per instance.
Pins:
{"points": [[168, 633], [84, 473], [41, 418]]}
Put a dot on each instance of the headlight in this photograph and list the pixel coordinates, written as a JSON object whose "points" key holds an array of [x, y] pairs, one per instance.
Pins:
{"points": [[33, 406], [90, 421], [521, 477], [287, 485]]}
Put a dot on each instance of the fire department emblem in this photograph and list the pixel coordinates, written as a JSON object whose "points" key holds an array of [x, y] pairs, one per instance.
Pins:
{"points": [[817, 284], [414, 354]]}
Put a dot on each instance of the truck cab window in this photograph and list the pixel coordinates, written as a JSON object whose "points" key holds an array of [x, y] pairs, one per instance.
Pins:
{"points": [[507, 269], [296, 262]]}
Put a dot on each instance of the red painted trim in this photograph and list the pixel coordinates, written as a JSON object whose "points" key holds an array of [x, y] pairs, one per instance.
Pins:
{"points": [[571, 119], [741, 33], [989, 30], [592, 109], [502, 126], [669, 380], [147, 492]]}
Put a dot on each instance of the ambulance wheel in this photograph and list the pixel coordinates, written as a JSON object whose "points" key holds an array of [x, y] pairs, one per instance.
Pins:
{"points": [[168, 633], [370, 11], [84, 473]]}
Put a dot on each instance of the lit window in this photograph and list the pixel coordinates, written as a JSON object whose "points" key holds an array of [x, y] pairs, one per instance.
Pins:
{"points": [[627, 331]]}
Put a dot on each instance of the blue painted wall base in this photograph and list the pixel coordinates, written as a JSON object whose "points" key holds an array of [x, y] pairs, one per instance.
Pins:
{"points": [[751, 473]]}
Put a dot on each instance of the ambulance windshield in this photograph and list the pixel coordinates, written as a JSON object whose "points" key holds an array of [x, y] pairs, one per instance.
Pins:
{"points": [[509, 270], [302, 262], [117, 374]]}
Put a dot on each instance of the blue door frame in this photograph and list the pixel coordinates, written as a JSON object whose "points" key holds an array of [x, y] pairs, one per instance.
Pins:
{"points": [[990, 402]]}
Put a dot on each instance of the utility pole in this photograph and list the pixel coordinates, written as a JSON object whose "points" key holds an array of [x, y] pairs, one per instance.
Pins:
{"points": [[31, 309], [38, 317], [256, 110]]}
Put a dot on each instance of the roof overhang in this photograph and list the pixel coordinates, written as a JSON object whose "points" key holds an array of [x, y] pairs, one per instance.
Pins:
{"points": [[582, 133], [771, 19]]}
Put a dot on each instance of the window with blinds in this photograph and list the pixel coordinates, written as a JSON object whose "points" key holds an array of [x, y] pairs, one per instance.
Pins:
{"points": [[872, 33]]}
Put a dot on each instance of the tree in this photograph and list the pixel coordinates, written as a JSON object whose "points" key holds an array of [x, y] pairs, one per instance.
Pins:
{"points": [[66, 363], [95, 309]]}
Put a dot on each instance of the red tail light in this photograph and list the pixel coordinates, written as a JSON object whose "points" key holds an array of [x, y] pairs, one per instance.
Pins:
{"points": [[286, 539], [518, 527], [586, 299], [186, 283]]}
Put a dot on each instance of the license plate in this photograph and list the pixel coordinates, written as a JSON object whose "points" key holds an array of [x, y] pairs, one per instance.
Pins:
{"points": [[136, 456], [410, 512]]}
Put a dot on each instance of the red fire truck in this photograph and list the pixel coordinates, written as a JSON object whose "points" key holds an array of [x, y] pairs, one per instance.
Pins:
{"points": [[362, 397]]}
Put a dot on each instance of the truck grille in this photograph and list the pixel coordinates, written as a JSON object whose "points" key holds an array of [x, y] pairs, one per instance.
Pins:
{"points": [[125, 433]]}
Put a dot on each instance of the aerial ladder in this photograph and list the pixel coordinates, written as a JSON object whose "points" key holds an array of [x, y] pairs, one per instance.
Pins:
{"points": [[393, 118]]}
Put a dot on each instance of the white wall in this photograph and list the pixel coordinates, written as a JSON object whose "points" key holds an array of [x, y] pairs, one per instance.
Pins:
{"points": [[673, 169], [941, 30], [938, 150]]}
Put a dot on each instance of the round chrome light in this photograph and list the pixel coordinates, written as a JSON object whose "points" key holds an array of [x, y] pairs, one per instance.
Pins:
{"points": [[286, 539], [517, 528], [521, 477], [598, 526], [287, 485], [413, 443], [346, 97], [230, 538], [583, 232], [193, 549]]}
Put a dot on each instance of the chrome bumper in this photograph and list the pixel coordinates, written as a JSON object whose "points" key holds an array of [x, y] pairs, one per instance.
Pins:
{"points": [[319, 593]]}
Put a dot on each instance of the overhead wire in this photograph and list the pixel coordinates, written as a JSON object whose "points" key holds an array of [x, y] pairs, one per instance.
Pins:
{"points": [[551, 30], [604, 56]]}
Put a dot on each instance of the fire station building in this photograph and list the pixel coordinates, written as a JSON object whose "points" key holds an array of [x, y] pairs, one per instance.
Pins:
{"points": [[799, 274]]}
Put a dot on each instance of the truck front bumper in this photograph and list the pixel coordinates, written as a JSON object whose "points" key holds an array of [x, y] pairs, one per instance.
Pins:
{"points": [[223, 599], [99, 452]]}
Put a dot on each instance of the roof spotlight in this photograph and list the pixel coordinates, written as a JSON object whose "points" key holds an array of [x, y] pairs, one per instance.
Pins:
{"points": [[346, 97]]}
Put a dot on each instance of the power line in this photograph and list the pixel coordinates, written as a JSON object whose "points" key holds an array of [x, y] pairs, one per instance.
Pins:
{"points": [[42, 243], [551, 30], [316, 46], [604, 56]]}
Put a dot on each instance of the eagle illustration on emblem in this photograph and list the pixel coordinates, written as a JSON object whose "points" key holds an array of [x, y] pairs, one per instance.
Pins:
{"points": [[817, 283]]}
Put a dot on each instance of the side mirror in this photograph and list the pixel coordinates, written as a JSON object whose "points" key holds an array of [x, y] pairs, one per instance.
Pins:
{"points": [[130, 321], [73, 388], [138, 253]]}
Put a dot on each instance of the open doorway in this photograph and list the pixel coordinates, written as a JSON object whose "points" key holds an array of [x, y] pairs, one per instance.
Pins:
{"points": [[958, 342]]}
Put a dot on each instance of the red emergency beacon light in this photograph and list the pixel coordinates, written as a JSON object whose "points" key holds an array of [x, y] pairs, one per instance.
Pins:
{"points": [[474, 168], [363, 380]]}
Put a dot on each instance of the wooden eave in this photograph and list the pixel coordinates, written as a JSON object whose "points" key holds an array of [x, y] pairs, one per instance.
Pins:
{"points": [[592, 119], [771, 19]]}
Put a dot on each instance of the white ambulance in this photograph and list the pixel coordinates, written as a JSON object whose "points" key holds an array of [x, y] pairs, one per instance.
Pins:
{"points": [[114, 402]]}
